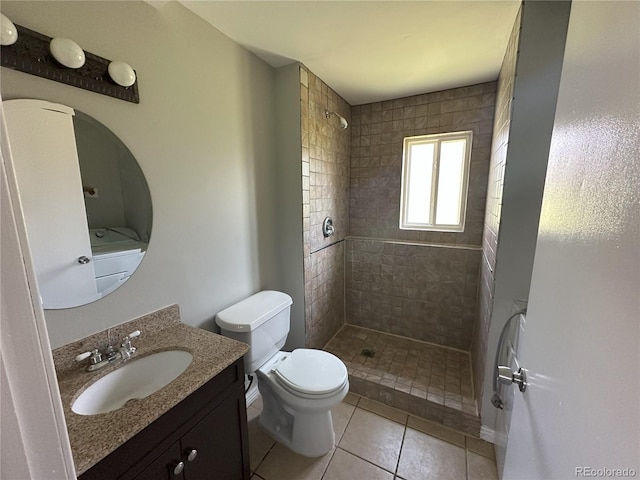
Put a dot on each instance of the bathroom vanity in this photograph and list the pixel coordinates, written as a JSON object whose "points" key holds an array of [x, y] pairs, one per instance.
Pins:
{"points": [[193, 428], [204, 436]]}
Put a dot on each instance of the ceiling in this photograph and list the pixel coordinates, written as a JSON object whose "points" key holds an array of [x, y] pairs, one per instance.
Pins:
{"points": [[369, 51]]}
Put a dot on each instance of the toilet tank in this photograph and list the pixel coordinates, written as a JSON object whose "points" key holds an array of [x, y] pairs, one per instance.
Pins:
{"points": [[262, 321]]}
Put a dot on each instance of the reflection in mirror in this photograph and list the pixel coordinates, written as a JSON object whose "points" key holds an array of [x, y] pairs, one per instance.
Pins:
{"points": [[86, 203]]}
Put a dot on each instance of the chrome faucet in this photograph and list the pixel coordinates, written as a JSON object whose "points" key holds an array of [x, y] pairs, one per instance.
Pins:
{"points": [[97, 360], [126, 349]]}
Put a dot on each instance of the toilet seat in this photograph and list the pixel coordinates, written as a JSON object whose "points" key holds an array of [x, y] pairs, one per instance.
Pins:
{"points": [[311, 373]]}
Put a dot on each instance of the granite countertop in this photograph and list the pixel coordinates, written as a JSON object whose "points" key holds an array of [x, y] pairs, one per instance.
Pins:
{"points": [[93, 437]]}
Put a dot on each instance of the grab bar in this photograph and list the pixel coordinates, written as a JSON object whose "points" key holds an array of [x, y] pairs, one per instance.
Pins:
{"points": [[496, 400]]}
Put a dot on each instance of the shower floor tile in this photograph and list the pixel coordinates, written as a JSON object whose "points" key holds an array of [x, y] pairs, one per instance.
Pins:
{"points": [[426, 380]]}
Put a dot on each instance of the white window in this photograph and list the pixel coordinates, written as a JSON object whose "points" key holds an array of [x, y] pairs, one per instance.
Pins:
{"points": [[435, 179]]}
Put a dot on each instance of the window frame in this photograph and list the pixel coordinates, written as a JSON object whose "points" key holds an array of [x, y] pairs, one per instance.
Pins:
{"points": [[435, 139]]}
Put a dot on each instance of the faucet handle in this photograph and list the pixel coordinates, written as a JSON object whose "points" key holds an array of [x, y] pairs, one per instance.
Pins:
{"points": [[134, 334], [127, 340], [127, 349], [95, 355], [82, 356]]}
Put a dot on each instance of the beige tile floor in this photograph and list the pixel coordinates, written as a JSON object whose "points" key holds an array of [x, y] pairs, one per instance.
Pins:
{"points": [[375, 441]]}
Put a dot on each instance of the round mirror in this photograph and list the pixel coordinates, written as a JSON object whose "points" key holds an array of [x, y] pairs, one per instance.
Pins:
{"points": [[86, 202]]}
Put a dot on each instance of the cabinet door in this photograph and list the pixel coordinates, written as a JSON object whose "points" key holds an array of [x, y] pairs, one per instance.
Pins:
{"points": [[220, 443], [163, 467]]}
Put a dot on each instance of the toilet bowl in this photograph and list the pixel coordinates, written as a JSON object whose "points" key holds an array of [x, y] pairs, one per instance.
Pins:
{"points": [[298, 388], [298, 400]]}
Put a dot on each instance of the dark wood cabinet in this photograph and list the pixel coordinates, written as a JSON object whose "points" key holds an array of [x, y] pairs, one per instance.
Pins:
{"points": [[207, 432], [162, 468], [216, 439]]}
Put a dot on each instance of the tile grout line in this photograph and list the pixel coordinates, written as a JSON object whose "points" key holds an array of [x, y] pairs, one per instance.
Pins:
{"points": [[466, 458], [404, 435], [365, 460], [369, 461], [255, 472], [355, 407], [405, 424], [333, 454]]}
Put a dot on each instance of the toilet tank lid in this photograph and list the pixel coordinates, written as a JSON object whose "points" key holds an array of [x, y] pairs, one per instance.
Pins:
{"points": [[252, 312]]}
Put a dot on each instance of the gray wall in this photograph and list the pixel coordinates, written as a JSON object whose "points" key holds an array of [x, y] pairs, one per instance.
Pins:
{"points": [[123, 198], [203, 134], [98, 157], [289, 196], [535, 91]]}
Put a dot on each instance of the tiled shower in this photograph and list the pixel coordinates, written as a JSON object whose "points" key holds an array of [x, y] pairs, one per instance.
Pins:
{"points": [[420, 285], [397, 306], [325, 192]]}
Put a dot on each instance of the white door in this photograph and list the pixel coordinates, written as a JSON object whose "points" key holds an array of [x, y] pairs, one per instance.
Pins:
{"points": [[43, 147], [580, 415]]}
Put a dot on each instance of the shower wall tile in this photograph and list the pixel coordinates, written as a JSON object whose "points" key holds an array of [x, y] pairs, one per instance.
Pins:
{"points": [[325, 189], [425, 292], [377, 134], [326, 305], [491, 228], [329, 164], [428, 289]]}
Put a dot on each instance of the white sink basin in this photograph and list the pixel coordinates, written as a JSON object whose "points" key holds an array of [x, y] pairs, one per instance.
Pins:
{"points": [[136, 379]]}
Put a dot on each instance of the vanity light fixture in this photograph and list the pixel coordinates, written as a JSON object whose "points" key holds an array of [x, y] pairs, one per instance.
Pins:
{"points": [[8, 31], [67, 52], [122, 73], [62, 60]]}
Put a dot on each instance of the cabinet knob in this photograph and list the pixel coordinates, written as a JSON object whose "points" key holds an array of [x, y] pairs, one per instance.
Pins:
{"points": [[83, 260], [192, 453], [178, 468]]}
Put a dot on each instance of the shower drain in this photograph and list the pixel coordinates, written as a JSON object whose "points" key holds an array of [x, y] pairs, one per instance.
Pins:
{"points": [[367, 353]]}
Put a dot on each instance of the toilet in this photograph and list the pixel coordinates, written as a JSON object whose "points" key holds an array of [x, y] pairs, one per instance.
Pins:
{"points": [[298, 388]]}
